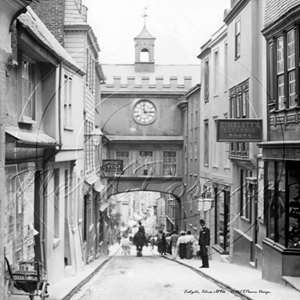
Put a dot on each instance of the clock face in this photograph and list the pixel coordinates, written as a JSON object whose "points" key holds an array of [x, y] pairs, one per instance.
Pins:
{"points": [[144, 112]]}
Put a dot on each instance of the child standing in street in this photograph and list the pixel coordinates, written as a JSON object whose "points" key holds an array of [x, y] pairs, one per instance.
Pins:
{"points": [[196, 250]]}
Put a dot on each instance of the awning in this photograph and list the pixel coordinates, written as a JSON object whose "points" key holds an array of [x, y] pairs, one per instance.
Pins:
{"points": [[124, 228], [103, 206], [98, 186], [137, 217], [172, 221], [37, 139], [86, 188], [92, 178], [131, 223]]}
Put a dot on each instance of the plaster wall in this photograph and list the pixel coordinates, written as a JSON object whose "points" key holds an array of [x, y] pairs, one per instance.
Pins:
{"points": [[252, 61], [54, 250], [217, 107], [118, 120], [239, 69], [241, 248], [251, 64], [55, 246]]}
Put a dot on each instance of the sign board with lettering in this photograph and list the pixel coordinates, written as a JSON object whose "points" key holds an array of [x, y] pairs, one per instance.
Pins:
{"points": [[239, 130], [112, 165], [282, 153], [205, 204]]}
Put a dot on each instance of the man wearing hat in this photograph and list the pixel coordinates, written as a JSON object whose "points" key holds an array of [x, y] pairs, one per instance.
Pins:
{"points": [[204, 241]]}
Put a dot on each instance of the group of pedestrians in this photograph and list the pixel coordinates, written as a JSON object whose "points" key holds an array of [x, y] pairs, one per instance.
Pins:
{"points": [[186, 245]]}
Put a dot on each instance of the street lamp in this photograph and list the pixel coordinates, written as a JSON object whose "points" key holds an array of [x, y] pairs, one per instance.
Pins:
{"points": [[96, 135]]}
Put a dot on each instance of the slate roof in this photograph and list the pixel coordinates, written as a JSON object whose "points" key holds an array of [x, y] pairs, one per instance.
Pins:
{"points": [[275, 9], [33, 23], [31, 137]]}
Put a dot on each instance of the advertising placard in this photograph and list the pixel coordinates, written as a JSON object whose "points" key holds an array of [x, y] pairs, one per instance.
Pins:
{"points": [[239, 130]]}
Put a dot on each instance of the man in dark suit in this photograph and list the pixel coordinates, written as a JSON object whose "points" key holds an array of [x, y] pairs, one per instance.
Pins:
{"points": [[204, 241], [141, 226]]}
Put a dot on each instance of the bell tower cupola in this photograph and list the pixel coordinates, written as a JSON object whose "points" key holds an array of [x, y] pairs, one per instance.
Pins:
{"points": [[144, 49]]}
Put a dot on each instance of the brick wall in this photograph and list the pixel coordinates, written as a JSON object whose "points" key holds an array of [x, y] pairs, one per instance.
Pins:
{"points": [[277, 8], [51, 12]]}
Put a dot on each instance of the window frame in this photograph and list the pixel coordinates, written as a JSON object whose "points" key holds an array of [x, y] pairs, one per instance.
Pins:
{"points": [[90, 71], [206, 143], [283, 68], [237, 39], [239, 108], [171, 162], [56, 202], [67, 102], [26, 118], [144, 165], [206, 80], [225, 66], [216, 71], [246, 196]]}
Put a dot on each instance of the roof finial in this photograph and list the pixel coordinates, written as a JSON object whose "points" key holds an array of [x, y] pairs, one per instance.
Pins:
{"points": [[145, 15]]}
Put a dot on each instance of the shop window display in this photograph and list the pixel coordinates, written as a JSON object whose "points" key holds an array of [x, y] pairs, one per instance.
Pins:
{"points": [[294, 216], [283, 200]]}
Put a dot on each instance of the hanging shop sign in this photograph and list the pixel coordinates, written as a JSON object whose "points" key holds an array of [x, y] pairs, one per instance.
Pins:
{"points": [[239, 130], [205, 204], [112, 165]]}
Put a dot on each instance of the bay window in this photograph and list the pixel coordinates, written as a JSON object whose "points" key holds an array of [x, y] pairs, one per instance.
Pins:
{"points": [[283, 85]]}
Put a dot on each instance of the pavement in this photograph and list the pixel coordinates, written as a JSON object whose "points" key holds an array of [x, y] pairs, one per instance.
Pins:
{"points": [[243, 281], [63, 289]]}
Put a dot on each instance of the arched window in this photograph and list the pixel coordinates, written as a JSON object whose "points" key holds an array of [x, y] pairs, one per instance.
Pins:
{"points": [[144, 55]]}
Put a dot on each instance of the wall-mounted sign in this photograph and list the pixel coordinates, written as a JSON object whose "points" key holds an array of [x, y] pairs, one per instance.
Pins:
{"points": [[205, 204], [282, 153], [239, 130], [112, 165]]}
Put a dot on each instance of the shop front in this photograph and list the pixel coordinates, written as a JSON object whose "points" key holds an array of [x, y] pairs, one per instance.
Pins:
{"points": [[281, 247]]}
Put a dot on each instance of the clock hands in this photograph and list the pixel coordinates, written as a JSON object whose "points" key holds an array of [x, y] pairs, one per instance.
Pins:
{"points": [[147, 111]]}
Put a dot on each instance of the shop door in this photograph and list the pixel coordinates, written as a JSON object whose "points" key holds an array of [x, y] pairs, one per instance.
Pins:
{"points": [[226, 229], [253, 206]]}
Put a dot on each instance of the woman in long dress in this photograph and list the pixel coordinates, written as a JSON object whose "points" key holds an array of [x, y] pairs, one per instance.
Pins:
{"points": [[139, 240]]}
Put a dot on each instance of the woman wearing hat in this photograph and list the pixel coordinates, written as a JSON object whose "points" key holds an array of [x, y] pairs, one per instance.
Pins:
{"points": [[181, 244]]}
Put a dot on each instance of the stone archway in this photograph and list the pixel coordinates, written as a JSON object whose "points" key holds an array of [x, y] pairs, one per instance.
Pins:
{"points": [[165, 186]]}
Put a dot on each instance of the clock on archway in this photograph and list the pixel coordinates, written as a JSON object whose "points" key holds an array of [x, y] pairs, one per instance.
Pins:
{"points": [[144, 112]]}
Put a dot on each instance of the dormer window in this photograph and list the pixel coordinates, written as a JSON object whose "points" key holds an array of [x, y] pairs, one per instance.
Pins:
{"points": [[144, 55]]}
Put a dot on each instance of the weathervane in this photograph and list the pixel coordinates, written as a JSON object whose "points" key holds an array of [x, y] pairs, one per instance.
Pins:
{"points": [[145, 15]]}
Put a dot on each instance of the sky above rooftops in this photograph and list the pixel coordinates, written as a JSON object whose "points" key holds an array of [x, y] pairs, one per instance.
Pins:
{"points": [[180, 27]]}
